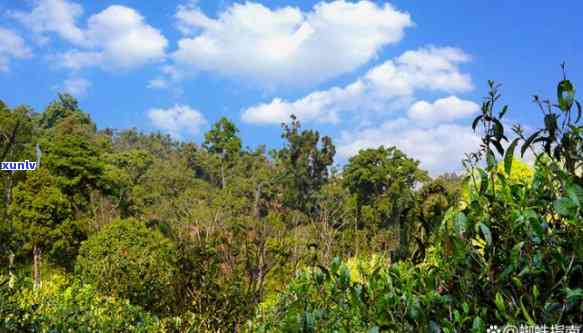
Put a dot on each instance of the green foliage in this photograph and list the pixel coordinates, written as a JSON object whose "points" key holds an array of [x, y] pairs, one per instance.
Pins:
{"points": [[42, 216], [77, 164], [215, 237], [304, 165], [66, 107], [382, 182], [511, 255], [62, 305], [125, 259], [223, 139]]}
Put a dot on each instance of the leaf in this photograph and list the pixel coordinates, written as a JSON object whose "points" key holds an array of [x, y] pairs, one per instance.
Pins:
{"points": [[575, 192], [486, 232], [374, 329], [574, 295], [565, 94], [528, 142], [483, 181], [475, 123], [500, 302], [565, 207], [460, 223], [578, 111], [498, 129], [478, 325], [503, 112], [490, 160], [510, 156], [498, 147]]}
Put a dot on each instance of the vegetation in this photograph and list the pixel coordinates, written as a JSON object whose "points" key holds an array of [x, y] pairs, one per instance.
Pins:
{"points": [[122, 231]]}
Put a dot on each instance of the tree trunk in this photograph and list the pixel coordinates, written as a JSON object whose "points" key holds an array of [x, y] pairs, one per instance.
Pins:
{"points": [[36, 257]]}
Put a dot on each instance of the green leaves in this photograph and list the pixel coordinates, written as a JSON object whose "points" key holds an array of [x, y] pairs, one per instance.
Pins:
{"points": [[499, 301], [510, 156], [570, 205], [565, 94], [460, 224], [486, 232]]}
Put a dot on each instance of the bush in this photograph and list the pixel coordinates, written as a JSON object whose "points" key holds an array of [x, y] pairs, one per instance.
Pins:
{"points": [[69, 306], [126, 259]]}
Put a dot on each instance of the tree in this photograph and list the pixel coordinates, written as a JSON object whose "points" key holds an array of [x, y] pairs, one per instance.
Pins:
{"points": [[304, 165], [42, 216], [77, 164], [128, 260], [123, 174], [224, 141], [383, 183], [66, 106], [16, 135], [433, 200]]}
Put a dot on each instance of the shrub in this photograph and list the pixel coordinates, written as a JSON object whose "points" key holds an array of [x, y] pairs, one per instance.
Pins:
{"points": [[126, 259], [61, 305]]}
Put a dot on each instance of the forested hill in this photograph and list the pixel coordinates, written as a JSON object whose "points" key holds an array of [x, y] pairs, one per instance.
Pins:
{"points": [[119, 230]]}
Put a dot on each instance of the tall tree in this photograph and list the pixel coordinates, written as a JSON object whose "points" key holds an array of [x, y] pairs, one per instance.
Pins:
{"points": [[65, 106], [223, 140], [304, 162], [42, 216], [383, 183]]}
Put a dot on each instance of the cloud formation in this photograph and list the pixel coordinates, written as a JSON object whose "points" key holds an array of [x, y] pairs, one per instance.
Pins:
{"points": [[177, 120], [55, 16], [439, 149], [76, 86], [385, 87], [11, 46], [442, 110], [286, 45], [117, 37]]}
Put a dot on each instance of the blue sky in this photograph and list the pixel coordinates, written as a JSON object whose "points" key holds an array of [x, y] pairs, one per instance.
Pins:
{"points": [[366, 73]]}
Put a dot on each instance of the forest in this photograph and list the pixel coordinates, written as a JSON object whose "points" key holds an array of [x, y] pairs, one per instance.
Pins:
{"points": [[127, 231]]}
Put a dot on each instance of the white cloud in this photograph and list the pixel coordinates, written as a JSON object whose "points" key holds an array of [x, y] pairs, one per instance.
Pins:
{"points": [[169, 79], [157, 83], [442, 110], [56, 16], [11, 46], [177, 120], [76, 59], [285, 45], [117, 37], [386, 87], [439, 149], [124, 38], [76, 86]]}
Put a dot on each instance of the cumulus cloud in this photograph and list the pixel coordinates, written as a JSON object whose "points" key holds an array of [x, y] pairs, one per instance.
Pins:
{"points": [[177, 120], [57, 16], [76, 86], [11, 46], [439, 149], [117, 37], [442, 110], [388, 86], [286, 45]]}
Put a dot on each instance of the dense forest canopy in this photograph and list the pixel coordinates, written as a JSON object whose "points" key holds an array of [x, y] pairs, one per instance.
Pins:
{"points": [[120, 230]]}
